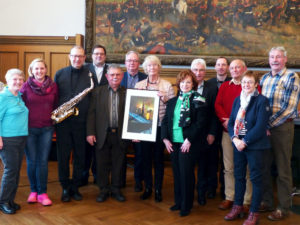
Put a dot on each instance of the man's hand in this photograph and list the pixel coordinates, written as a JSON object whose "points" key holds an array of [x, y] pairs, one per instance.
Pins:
{"points": [[210, 139], [91, 139], [225, 123]]}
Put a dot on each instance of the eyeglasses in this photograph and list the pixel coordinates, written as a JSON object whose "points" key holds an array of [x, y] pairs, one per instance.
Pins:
{"points": [[248, 82], [132, 60], [99, 54], [77, 56]]}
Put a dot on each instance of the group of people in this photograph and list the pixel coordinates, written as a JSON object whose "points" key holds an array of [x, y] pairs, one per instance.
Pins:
{"points": [[248, 120]]}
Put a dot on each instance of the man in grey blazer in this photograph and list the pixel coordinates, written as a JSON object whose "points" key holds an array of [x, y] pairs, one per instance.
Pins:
{"points": [[104, 129]]}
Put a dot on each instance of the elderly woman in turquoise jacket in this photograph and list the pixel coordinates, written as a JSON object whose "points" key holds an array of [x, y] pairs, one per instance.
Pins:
{"points": [[13, 135], [247, 128]]}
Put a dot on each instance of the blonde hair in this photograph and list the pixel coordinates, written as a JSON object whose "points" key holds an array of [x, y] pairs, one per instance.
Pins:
{"points": [[32, 64], [148, 59]]}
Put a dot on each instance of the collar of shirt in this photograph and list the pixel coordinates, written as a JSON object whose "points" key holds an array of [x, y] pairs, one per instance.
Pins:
{"points": [[235, 82], [200, 88], [281, 72], [110, 89]]}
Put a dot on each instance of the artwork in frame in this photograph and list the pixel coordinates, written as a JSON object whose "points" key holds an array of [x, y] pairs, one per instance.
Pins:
{"points": [[141, 115], [245, 29]]}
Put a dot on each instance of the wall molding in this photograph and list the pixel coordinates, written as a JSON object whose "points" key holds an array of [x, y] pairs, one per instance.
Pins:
{"points": [[37, 40]]}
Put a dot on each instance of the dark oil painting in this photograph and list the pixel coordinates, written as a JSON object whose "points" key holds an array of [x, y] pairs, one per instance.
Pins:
{"points": [[198, 27], [141, 115]]}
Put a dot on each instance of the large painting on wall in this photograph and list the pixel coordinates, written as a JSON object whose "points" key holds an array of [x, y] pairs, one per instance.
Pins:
{"points": [[197, 27]]}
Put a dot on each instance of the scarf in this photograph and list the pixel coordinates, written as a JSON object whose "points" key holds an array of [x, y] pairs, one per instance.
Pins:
{"points": [[239, 123], [40, 88], [185, 119]]}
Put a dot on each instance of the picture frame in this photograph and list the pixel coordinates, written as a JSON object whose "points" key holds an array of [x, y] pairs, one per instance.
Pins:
{"points": [[243, 30], [141, 115]]}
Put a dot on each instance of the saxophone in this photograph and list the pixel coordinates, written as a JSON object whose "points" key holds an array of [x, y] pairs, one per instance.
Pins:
{"points": [[68, 108]]}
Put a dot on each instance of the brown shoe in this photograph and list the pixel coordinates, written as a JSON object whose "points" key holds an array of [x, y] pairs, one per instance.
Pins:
{"points": [[277, 215], [226, 204], [236, 211], [252, 219], [264, 208], [246, 208]]}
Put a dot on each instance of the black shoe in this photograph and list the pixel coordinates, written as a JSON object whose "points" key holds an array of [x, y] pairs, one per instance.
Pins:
{"points": [[83, 182], [7, 209], [65, 197], [158, 196], [211, 194], [14, 205], [201, 200], [118, 196], [184, 212], [102, 197], [138, 187], [175, 207], [147, 193], [76, 195]]}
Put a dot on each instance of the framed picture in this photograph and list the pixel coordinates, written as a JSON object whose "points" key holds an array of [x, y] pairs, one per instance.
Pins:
{"points": [[141, 115], [181, 30]]}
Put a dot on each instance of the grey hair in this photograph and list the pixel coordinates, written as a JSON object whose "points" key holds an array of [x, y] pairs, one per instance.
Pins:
{"points": [[151, 58], [12, 72], [198, 61], [77, 47], [279, 48], [114, 66], [132, 52]]}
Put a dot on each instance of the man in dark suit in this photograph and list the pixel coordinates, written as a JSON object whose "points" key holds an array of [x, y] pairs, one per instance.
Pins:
{"points": [[221, 68], [71, 132], [98, 68], [104, 129], [207, 158], [131, 77]]}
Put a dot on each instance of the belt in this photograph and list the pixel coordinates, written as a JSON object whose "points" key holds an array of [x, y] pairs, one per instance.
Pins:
{"points": [[289, 120], [112, 130]]}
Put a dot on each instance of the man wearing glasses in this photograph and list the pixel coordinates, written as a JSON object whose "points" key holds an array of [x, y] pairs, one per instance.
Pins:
{"points": [[71, 133], [130, 78], [99, 67]]}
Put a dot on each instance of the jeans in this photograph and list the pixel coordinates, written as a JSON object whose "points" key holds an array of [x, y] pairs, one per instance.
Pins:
{"points": [[11, 155], [37, 152], [254, 159]]}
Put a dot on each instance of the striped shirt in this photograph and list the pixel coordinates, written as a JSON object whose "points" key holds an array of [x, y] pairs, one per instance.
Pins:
{"points": [[282, 90]]}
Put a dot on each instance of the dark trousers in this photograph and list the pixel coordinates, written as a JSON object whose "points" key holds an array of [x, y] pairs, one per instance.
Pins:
{"points": [[184, 179], [281, 152], [138, 163], [110, 159], [90, 163], [207, 157], [153, 151], [71, 136], [254, 159], [11, 155]]}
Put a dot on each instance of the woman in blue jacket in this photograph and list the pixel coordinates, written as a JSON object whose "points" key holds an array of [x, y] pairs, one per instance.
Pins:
{"points": [[247, 128]]}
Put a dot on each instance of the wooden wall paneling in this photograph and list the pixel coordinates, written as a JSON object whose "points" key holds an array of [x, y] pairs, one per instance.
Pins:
{"points": [[8, 60], [29, 57], [57, 61]]}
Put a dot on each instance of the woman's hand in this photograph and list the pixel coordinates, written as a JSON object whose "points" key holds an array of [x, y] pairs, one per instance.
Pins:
{"points": [[239, 144], [136, 141], [162, 96], [185, 147], [268, 133], [91, 139], [168, 145], [1, 143]]}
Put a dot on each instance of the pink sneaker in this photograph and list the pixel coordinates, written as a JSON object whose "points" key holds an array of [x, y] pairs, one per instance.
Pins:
{"points": [[32, 198], [44, 200]]}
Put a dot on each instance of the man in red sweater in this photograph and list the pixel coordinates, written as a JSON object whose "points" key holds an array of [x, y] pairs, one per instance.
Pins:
{"points": [[228, 91]]}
